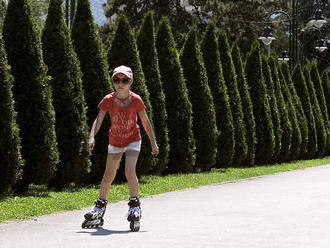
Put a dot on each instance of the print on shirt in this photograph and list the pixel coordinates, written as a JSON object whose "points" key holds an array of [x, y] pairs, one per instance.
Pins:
{"points": [[122, 125]]}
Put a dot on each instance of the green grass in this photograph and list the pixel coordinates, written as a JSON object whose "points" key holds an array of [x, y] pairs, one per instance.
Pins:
{"points": [[40, 201]]}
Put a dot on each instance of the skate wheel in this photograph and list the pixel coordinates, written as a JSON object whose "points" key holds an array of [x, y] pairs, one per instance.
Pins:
{"points": [[101, 222], [135, 226], [84, 224]]}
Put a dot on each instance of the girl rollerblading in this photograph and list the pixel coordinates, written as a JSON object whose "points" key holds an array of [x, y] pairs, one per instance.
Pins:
{"points": [[123, 107]]}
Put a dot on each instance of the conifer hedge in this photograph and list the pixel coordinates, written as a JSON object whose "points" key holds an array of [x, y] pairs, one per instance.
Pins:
{"points": [[224, 117], [69, 101], [10, 151], [261, 109], [32, 93], [276, 118], [149, 60], [300, 85], [178, 105], [246, 105], [124, 51], [301, 117], [319, 122], [229, 73], [286, 126], [315, 77], [95, 79], [296, 133], [204, 122], [326, 87]]}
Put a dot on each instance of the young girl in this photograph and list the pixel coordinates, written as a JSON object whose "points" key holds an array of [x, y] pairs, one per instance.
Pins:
{"points": [[123, 107]]}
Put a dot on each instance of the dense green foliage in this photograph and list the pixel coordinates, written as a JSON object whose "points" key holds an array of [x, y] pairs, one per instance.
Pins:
{"points": [[326, 87], [149, 59], [300, 113], [96, 81], [10, 150], [315, 77], [286, 125], [276, 118], [261, 109], [224, 118], [178, 105], [204, 122], [69, 101], [300, 85], [124, 51], [319, 122], [32, 93], [296, 133], [246, 106], [229, 73]]}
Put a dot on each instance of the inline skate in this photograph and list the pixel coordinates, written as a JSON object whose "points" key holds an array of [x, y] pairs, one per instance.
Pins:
{"points": [[134, 213], [94, 218]]}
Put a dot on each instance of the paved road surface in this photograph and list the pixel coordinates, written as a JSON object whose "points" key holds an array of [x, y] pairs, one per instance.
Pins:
{"points": [[283, 210]]}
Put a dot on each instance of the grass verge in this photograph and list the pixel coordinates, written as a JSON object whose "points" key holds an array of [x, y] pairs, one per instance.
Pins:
{"points": [[40, 201]]}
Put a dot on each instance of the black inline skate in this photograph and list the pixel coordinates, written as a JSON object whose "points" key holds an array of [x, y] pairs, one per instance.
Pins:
{"points": [[134, 213], [94, 218]]}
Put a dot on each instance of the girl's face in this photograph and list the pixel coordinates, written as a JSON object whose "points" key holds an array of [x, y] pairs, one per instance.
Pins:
{"points": [[121, 83]]}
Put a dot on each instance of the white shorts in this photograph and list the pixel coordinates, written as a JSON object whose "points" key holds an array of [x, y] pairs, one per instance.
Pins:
{"points": [[134, 146]]}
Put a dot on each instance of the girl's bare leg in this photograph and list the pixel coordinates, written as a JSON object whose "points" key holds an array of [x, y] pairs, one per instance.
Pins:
{"points": [[130, 172], [110, 173]]}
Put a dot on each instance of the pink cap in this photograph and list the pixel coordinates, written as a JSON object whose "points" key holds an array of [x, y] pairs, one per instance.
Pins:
{"points": [[124, 70]]}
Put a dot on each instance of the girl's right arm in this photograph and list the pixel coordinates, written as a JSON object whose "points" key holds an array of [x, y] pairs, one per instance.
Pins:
{"points": [[95, 128]]}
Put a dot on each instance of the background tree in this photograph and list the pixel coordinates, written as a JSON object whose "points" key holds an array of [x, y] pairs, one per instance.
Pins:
{"points": [[276, 119], [124, 51], [300, 85], [301, 117], [149, 59], [36, 119], [326, 87], [204, 122], [261, 109], [10, 149], [296, 133], [315, 77], [286, 126], [178, 105], [69, 102], [3, 7], [224, 118], [319, 122], [234, 99], [95, 79], [246, 106]]}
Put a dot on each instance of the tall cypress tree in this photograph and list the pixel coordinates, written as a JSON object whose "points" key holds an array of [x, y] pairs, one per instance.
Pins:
{"points": [[149, 59], [326, 87], [69, 101], [37, 118], [286, 125], [300, 85], [296, 133], [224, 117], [96, 81], [301, 117], [10, 151], [249, 119], [124, 51], [261, 109], [234, 99], [178, 105], [319, 122], [276, 118], [204, 122], [315, 77]]}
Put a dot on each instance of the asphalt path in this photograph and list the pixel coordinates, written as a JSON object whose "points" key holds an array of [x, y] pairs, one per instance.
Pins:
{"points": [[288, 209]]}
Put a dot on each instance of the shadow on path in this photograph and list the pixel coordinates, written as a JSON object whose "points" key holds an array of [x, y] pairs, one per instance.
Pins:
{"points": [[102, 232]]}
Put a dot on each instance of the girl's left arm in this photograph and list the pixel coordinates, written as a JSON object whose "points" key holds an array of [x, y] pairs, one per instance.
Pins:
{"points": [[150, 132]]}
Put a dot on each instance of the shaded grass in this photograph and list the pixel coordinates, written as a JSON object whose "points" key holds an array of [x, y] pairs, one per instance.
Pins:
{"points": [[40, 201]]}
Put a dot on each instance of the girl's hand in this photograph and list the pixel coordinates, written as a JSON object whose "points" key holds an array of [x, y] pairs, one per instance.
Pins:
{"points": [[91, 143], [155, 150]]}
